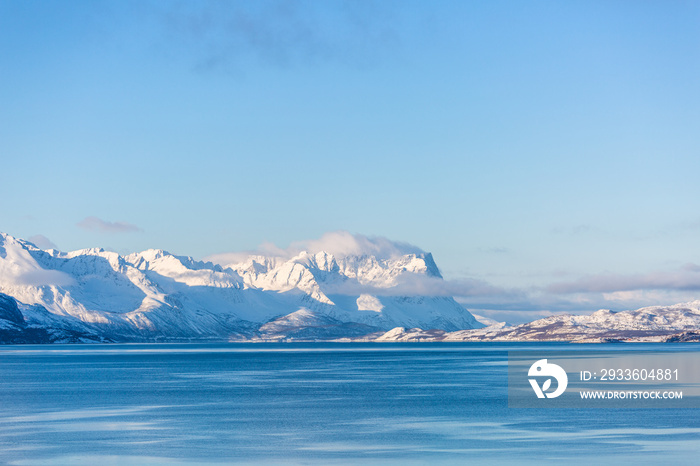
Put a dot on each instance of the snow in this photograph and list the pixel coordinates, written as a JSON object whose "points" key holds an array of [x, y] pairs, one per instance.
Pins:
{"points": [[369, 303], [487, 321]]}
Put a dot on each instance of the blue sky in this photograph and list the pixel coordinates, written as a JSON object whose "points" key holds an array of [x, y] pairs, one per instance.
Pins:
{"points": [[547, 151]]}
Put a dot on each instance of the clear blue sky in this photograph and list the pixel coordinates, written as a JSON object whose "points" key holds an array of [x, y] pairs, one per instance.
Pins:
{"points": [[551, 149]]}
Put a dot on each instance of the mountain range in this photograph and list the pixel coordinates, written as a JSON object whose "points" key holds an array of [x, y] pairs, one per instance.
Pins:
{"points": [[97, 295], [93, 295], [680, 322]]}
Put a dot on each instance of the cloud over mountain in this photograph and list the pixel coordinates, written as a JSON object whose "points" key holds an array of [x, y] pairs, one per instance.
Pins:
{"points": [[343, 243], [42, 242], [338, 243]]}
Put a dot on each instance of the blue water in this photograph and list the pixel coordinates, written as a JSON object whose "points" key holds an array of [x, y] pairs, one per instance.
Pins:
{"points": [[310, 403]]}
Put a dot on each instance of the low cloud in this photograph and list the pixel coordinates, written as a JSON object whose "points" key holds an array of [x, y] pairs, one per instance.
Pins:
{"points": [[18, 267], [685, 278], [103, 226], [42, 242], [414, 284], [39, 278], [587, 294], [12, 274], [410, 284]]}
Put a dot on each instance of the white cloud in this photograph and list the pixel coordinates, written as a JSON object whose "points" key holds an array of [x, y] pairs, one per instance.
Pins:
{"points": [[42, 242], [96, 224], [338, 243], [37, 277], [343, 243], [19, 268]]}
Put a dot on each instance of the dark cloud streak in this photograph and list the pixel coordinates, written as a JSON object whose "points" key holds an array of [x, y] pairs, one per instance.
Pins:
{"points": [[225, 34]]}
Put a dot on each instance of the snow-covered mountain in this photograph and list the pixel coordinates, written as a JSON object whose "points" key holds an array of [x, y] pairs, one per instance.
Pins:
{"points": [[680, 322], [96, 295]]}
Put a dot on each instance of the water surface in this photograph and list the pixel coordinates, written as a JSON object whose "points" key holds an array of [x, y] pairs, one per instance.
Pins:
{"points": [[313, 403]]}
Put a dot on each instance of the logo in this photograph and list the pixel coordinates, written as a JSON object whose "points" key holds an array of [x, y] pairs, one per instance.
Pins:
{"points": [[542, 368]]}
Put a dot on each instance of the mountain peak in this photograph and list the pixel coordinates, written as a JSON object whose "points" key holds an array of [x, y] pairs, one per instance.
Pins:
{"points": [[431, 267]]}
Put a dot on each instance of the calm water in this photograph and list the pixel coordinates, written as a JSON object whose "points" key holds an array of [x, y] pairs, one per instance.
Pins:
{"points": [[308, 403]]}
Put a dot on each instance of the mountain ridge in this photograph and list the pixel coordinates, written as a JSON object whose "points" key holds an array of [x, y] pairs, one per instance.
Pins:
{"points": [[678, 322], [154, 295]]}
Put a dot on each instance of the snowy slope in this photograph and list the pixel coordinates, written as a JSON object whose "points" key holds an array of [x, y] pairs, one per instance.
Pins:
{"points": [[154, 295]]}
